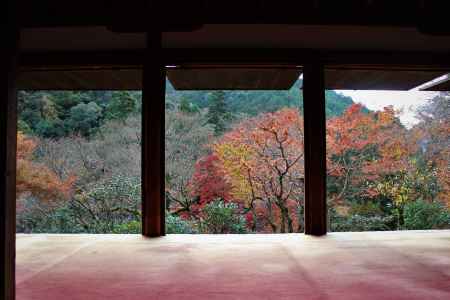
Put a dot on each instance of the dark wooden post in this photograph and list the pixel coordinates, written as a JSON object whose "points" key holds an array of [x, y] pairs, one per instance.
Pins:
{"points": [[153, 138], [315, 149], [8, 158]]}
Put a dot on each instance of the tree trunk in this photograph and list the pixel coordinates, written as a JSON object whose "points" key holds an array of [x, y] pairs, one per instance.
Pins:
{"points": [[290, 224], [283, 223], [254, 219], [287, 219], [270, 219], [300, 219]]}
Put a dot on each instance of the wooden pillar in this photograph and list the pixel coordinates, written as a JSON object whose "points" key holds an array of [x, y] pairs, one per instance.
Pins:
{"points": [[153, 138], [315, 149], [8, 158]]}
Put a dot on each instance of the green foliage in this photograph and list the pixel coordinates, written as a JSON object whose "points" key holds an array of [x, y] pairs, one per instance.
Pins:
{"points": [[220, 217], [49, 113], [50, 129], [55, 114], [368, 209], [108, 204], [175, 224], [23, 127], [337, 103], [121, 106], [85, 118], [426, 215], [59, 220], [360, 222], [128, 228], [39, 113], [255, 102], [420, 183], [188, 107], [218, 114]]}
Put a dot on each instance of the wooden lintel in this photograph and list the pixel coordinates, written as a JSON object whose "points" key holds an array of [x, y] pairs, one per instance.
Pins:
{"points": [[380, 60]]}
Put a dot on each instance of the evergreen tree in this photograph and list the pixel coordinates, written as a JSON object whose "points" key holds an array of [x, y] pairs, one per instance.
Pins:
{"points": [[187, 106], [84, 118], [217, 112], [121, 106]]}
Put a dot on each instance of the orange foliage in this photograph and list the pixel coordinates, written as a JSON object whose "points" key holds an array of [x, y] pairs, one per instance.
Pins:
{"points": [[261, 162], [437, 137], [364, 147], [264, 159], [36, 179]]}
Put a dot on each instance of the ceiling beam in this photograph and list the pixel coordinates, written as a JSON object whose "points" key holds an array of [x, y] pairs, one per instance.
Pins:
{"points": [[375, 79], [130, 16], [350, 59], [233, 78], [99, 70], [442, 85]]}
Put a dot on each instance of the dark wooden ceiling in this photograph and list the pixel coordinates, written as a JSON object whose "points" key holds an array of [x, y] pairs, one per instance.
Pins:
{"points": [[133, 16], [81, 79], [386, 31], [243, 78], [357, 79]]}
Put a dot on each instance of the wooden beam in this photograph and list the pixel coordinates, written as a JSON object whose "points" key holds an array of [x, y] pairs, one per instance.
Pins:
{"points": [[8, 134], [81, 80], [428, 16], [315, 149], [37, 61], [441, 85], [376, 58], [234, 78], [153, 136], [350, 59], [370, 79]]}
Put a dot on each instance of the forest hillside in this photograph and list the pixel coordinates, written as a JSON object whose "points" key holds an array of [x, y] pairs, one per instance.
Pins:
{"points": [[233, 163]]}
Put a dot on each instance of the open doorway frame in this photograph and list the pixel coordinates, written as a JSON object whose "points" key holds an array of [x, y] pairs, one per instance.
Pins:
{"points": [[154, 59]]}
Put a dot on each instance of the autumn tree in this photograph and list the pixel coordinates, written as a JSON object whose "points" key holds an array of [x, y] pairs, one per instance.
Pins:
{"points": [[209, 182], [35, 179], [186, 136], [263, 157], [369, 154], [434, 140], [361, 149]]}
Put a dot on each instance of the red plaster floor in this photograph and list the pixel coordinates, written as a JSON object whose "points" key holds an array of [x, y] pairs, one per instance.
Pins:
{"points": [[376, 265]]}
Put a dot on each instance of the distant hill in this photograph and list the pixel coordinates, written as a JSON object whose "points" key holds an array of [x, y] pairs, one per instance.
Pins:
{"points": [[255, 102], [54, 114]]}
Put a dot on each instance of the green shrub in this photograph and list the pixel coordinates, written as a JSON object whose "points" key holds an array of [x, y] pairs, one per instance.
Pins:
{"points": [[174, 224], [220, 217], [361, 223], [368, 209], [128, 228], [59, 220], [111, 205], [108, 204], [23, 127], [420, 215]]}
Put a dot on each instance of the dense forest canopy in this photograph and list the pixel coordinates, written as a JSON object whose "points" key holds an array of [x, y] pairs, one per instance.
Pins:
{"points": [[253, 103], [234, 163]]}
